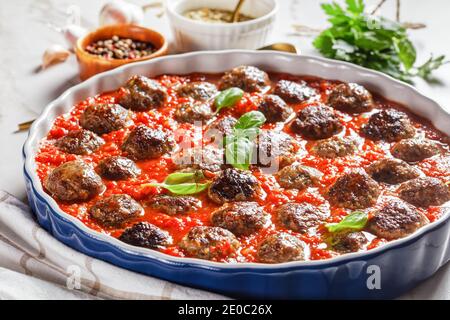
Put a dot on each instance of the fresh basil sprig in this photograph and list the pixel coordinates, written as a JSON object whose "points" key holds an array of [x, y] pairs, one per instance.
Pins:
{"points": [[354, 221], [228, 98], [182, 183], [371, 41], [239, 144]]}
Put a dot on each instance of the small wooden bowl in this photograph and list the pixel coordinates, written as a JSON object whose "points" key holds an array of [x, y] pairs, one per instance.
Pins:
{"points": [[90, 64]]}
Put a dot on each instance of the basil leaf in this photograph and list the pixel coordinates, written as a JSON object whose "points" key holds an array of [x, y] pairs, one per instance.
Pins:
{"points": [[182, 188], [239, 152], [252, 119], [183, 177], [228, 98], [354, 221]]}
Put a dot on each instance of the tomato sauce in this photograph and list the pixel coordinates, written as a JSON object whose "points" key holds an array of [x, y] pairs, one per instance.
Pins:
{"points": [[49, 157]]}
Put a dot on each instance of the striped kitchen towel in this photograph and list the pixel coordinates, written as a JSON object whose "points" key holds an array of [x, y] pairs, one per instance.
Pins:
{"points": [[34, 265]]}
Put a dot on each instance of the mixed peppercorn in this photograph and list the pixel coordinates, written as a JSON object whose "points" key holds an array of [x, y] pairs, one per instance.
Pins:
{"points": [[120, 48]]}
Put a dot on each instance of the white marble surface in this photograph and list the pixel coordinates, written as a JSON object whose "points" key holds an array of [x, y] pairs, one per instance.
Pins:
{"points": [[25, 91]]}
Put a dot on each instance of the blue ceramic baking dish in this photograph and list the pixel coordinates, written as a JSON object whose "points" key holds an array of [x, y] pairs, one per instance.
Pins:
{"points": [[381, 273]]}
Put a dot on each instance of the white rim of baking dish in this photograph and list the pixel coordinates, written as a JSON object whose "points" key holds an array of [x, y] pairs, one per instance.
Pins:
{"points": [[171, 10], [32, 142]]}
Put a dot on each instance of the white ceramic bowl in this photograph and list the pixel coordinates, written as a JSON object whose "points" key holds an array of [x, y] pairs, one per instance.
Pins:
{"points": [[191, 35]]}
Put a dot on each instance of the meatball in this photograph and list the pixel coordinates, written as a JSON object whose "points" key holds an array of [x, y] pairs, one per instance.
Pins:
{"points": [[346, 242], [143, 94], [392, 171], [191, 112], [297, 176], [201, 91], [118, 168], [293, 92], [210, 243], [207, 158], [354, 191], [173, 205], [316, 122], [389, 125], [274, 145], [351, 98], [79, 142], [233, 185], [299, 217], [248, 78], [115, 210], [334, 147], [241, 218], [147, 235], [144, 143], [281, 247], [224, 126], [274, 108], [104, 118], [73, 181], [395, 220], [424, 192], [415, 150]]}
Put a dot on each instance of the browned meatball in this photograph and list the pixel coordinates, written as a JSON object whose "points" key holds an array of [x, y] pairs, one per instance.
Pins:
{"points": [[173, 205], [415, 150], [293, 92], [248, 78], [317, 122], [201, 91], [73, 181], [118, 168], [147, 235], [335, 147], [143, 94], [274, 108], [389, 125], [354, 191], [191, 112], [351, 98], [299, 217], [274, 146], [346, 242], [207, 158], [144, 143], [395, 220], [210, 243], [424, 192], [224, 126], [115, 210], [233, 185], [281, 247], [79, 142], [241, 218], [392, 171], [297, 176], [104, 118]]}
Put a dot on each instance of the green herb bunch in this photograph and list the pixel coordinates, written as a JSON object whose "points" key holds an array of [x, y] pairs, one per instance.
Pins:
{"points": [[371, 41]]}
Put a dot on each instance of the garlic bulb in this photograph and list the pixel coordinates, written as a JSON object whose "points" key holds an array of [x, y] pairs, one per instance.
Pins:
{"points": [[54, 54], [119, 11], [72, 33]]}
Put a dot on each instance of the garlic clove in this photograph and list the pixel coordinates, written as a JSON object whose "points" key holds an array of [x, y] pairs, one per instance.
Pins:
{"points": [[53, 55], [120, 12], [72, 33]]}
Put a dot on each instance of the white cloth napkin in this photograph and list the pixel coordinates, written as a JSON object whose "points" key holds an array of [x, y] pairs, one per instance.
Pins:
{"points": [[34, 265]]}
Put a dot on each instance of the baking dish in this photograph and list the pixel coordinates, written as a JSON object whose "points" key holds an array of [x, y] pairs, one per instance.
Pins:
{"points": [[384, 272]]}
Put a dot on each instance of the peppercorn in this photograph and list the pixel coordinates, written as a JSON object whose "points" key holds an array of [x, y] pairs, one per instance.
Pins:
{"points": [[120, 48]]}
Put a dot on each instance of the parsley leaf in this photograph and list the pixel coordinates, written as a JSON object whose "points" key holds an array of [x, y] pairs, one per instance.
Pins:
{"points": [[371, 41]]}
